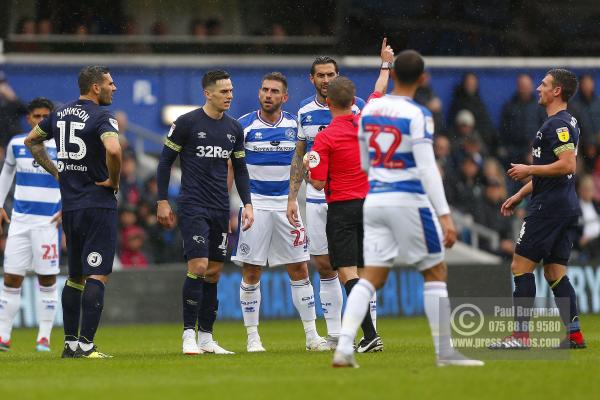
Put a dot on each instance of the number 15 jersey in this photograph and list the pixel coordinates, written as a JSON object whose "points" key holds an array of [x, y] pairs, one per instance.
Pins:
{"points": [[390, 126], [78, 128]]}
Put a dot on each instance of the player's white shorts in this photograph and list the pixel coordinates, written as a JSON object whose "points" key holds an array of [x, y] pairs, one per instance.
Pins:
{"points": [[271, 238], [412, 234], [32, 248], [316, 222]]}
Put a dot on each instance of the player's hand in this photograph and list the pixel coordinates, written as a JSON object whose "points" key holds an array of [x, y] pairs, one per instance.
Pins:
{"points": [[292, 213], [449, 230], [519, 171], [57, 219], [164, 214], [247, 217], [508, 207], [387, 53], [109, 184], [3, 218]]}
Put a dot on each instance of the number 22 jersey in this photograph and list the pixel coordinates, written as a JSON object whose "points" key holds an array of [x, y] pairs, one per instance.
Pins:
{"points": [[78, 128], [390, 126]]}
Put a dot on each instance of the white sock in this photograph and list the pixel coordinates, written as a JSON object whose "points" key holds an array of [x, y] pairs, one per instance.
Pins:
{"points": [[10, 303], [373, 310], [47, 302], [303, 297], [204, 337], [250, 303], [252, 332], [331, 304], [357, 306], [72, 344], [86, 346], [438, 315]]}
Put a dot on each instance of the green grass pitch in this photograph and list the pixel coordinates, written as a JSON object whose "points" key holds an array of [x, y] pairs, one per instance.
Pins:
{"points": [[148, 365]]}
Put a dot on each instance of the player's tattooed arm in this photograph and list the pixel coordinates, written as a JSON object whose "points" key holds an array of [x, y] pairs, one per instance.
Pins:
{"points": [[297, 171], [35, 142]]}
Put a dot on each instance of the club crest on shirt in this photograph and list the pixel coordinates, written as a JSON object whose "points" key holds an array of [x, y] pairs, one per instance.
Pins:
{"points": [[114, 123], [538, 135], [563, 134], [231, 138], [290, 134]]}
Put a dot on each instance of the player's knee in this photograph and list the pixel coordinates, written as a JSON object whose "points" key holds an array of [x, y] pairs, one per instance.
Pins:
{"points": [[554, 272], [198, 266], [347, 273], [517, 268], [80, 280], [47, 280], [298, 271], [437, 273], [13, 281]]}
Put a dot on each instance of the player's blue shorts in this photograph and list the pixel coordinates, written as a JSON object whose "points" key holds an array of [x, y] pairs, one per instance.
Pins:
{"points": [[547, 238], [204, 232], [91, 235]]}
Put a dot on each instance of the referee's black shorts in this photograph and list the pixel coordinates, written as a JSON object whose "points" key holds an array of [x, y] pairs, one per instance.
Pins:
{"points": [[345, 233]]}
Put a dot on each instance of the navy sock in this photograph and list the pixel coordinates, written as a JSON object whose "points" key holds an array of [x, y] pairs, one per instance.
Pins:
{"points": [[209, 308], [523, 298], [367, 324], [92, 303], [569, 313], [71, 306], [192, 297]]}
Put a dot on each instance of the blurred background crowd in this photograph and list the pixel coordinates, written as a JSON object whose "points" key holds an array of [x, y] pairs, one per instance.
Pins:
{"points": [[473, 155]]}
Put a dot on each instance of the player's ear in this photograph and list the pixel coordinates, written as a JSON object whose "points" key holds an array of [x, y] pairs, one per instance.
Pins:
{"points": [[421, 79], [285, 97]]}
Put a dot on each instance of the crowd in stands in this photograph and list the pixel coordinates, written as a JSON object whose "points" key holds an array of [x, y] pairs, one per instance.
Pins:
{"points": [[473, 155]]}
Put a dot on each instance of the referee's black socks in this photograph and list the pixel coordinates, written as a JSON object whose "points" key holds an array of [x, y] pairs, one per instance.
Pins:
{"points": [[367, 326]]}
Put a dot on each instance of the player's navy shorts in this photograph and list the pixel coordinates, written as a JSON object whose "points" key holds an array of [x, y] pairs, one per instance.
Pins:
{"points": [[204, 232], [547, 238], [345, 233], [91, 235]]}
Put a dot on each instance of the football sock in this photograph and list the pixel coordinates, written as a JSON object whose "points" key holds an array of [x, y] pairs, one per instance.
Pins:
{"points": [[10, 303], [208, 307], [367, 324], [373, 310], [569, 314], [524, 297], [303, 297], [92, 303], [192, 297], [357, 307], [71, 306], [438, 315], [47, 302], [331, 304], [250, 303]]}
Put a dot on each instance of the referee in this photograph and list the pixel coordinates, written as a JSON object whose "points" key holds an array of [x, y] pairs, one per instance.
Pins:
{"points": [[334, 164]]}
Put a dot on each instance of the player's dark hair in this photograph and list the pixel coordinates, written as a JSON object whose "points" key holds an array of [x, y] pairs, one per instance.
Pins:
{"points": [[566, 80], [211, 77], [408, 67], [276, 76], [341, 92], [90, 75], [321, 60], [40, 102]]}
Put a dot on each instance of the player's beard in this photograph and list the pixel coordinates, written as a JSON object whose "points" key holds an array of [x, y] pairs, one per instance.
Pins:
{"points": [[105, 98]]}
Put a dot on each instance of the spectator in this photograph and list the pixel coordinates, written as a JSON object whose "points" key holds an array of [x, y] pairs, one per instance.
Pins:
{"points": [[214, 27], [466, 97], [123, 123], [487, 213], [132, 241], [198, 28], [11, 111], [44, 27], [427, 97], [464, 191], [26, 26], [589, 242], [442, 150], [465, 138], [585, 107], [521, 118], [129, 189]]}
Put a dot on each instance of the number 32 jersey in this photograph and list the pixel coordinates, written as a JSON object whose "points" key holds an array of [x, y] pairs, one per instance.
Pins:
{"points": [[390, 126], [78, 128]]}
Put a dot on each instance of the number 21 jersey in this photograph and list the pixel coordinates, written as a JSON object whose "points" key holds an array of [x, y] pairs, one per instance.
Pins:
{"points": [[390, 126], [78, 128]]}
